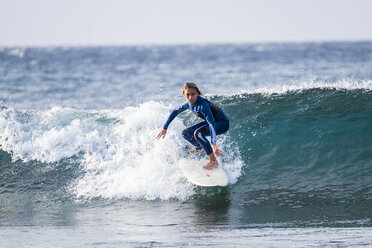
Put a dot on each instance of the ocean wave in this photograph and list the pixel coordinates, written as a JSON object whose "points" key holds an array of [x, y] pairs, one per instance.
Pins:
{"points": [[115, 149], [342, 84], [308, 140], [311, 140]]}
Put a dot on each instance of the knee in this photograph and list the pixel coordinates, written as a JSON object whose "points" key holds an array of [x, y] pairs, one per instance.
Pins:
{"points": [[197, 131], [186, 132]]}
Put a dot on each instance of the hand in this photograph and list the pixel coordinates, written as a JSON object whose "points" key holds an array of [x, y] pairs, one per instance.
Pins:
{"points": [[162, 133], [216, 151]]}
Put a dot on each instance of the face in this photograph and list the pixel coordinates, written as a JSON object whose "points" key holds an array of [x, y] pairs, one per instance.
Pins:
{"points": [[191, 95]]}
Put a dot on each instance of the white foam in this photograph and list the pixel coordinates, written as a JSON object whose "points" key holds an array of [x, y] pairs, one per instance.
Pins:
{"points": [[347, 84], [46, 136], [117, 149]]}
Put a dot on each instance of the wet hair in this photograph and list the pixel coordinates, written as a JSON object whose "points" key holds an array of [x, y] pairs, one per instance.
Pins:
{"points": [[190, 85]]}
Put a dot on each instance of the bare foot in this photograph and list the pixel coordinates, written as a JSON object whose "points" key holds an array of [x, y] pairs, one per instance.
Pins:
{"points": [[211, 165], [191, 151], [196, 151]]}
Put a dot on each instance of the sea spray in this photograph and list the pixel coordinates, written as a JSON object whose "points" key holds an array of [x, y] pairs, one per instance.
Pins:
{"points": [[116, 150]]}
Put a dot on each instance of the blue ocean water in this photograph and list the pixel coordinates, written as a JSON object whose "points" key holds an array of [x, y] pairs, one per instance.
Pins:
{"points": [[80, 166]]}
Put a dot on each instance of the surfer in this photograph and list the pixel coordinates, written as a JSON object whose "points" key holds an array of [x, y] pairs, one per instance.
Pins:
{"points": [[215, 123]]}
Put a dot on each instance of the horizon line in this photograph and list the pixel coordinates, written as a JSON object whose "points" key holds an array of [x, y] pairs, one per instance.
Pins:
{"points": [[117, 44]]}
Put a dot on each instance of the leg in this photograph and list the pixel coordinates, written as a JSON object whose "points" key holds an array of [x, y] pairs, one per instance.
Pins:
{"points": [[203, 131], [200, 135], [188, 134]]}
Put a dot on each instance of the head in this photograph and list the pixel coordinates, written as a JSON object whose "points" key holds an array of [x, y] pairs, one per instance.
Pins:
{"points": [[191, 92]]}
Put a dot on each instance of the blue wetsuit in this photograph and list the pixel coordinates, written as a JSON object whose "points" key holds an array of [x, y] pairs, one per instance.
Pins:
{"points": [[215, 122]]}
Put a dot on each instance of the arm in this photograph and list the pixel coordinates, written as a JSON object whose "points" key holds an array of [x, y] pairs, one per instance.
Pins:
{"points": [[173, 115]]}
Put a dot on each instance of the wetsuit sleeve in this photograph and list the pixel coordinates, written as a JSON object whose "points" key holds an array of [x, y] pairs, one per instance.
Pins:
{"points": [[173, 114], [206, 111]]}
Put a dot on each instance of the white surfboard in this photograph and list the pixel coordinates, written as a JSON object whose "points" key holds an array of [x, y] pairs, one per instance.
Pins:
{"points": [[193, 170]]}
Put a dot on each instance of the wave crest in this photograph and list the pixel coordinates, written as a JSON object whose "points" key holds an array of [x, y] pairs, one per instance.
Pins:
{"points": [[116, 149]]}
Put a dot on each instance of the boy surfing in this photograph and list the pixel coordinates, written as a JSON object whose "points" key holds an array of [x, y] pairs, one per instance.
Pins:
{"points": [[215, 123]]}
